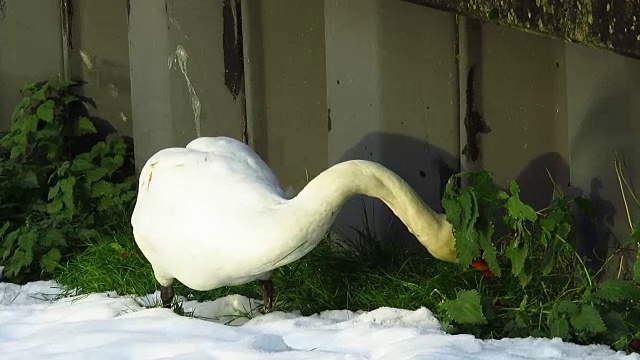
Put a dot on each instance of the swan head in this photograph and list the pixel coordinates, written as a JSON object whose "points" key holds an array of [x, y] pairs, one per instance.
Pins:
{"points": [[441, 243]]}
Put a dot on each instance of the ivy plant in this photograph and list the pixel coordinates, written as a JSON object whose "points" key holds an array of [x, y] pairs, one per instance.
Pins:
{"points": [[61, 182]]}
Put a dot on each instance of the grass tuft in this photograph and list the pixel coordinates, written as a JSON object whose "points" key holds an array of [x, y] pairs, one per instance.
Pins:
{"points": [[364, 275]]}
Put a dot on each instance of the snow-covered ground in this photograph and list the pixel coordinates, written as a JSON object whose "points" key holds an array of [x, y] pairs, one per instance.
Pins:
{"points": [[107, 326]]}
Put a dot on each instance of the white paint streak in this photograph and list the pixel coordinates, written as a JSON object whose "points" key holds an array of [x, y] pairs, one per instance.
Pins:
{"points": [[86, 59], [180, 56], [113, 90], [176, 25], [123, 117]]}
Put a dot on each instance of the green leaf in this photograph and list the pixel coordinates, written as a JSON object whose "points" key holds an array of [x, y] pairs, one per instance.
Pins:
{"points": [[615, 290], [466, 308], [17, 151], [101, 188], [85, 126], [615, 324], [62, 169], [45, 111], [30, 124], [517, 209], [55, 206], [83, 162], [105, 203], [524, 278], [588, 320], [552, 219], [549, 260], [40, 94], [55, 237], [453, 210], [30, 180], [96, 174], [566, 307], [560, 328], [4, 228], [51, 260], [636, 270], [489, 251], [70, 98], [466, 234], [517, 255], [66, 188], [54, 191], [100, 148]]}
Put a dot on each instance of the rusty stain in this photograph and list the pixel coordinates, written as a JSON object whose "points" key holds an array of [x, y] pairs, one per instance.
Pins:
{"points": [[232, 46]]}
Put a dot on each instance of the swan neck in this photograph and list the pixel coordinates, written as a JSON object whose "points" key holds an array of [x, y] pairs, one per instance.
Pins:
{"points": [[319, 202]]}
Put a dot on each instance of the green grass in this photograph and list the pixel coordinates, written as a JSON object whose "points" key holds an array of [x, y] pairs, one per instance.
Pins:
{"points": [[363, 276]]}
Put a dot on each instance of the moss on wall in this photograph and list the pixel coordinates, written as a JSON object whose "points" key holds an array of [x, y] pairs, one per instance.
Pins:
{"points": [[612, 25]]}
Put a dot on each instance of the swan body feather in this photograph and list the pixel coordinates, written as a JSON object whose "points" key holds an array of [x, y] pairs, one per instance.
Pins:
{"points": [[213, 213]]}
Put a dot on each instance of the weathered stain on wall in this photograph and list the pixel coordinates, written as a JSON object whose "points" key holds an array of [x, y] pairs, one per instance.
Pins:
{"points": [[474, 123], [607, 24]]}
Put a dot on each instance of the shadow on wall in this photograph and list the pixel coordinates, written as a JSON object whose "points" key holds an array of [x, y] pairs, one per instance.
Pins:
{"points": [[608, 125], [427, 168], [593, 224]]}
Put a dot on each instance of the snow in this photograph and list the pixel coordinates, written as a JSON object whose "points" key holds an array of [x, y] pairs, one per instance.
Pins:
{"points": [[36, 321]]}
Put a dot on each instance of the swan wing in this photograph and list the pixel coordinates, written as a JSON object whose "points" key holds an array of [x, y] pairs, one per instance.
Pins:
{"points": [[201, 203]]}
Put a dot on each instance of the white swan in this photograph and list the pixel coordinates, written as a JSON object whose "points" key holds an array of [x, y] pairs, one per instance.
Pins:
{"points": [[213, 214]]}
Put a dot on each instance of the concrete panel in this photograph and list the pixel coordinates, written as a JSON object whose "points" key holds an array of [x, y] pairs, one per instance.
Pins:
{"points": [[520, 91], [178, 74], [392, 95], [30, 48], [286, 77], [197, 28], [99, 55], [603, 103]]}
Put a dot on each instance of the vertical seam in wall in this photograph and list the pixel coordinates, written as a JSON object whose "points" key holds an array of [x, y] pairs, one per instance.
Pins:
{"points": [[66, 8], [457, 51]]}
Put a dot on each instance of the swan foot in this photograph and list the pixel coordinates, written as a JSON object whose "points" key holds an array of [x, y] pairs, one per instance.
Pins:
{"points": [[166, 295], [266, 288]]}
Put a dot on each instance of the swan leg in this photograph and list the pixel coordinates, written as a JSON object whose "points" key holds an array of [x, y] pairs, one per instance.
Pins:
{"points": [[166, 288], [166, 295], [266, 288]]}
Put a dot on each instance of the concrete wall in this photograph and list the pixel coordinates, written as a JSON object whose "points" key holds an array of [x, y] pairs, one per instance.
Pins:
{"points": [[39, 58], [178, 84], [332, 80], [520, 87], [286, 76], [603, 109], [383, 59], [99, 55]]}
